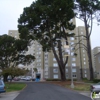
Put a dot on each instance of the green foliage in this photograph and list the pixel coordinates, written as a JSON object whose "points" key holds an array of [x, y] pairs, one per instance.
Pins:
{"points": [[50, 17], [75, 54], [12, 52], [14, 71], [87, 11], [87, 8], [35, 69], [45, 21], [53, 79], [70, 79], [96, 80]]}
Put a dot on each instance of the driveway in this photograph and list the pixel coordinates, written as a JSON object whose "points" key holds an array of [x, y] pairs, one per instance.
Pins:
{"points": [[47, 91]]}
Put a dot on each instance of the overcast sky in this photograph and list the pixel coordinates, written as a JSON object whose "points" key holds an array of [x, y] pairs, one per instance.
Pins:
{"points": [[10, 11]]}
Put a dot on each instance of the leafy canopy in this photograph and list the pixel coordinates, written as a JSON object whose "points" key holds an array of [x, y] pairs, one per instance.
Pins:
{"points": [[12, 52], [46, 20]]}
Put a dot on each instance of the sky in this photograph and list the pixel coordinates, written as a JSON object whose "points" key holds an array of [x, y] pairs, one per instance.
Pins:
{"points": [[10, 11]]}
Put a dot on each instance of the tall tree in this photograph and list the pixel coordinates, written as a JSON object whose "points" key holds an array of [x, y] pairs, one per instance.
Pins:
{"points": [[87, 11], [12, 52], [46, 21]]}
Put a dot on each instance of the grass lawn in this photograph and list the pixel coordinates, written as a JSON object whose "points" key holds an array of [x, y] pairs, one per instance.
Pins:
{"points": [[10, 86], [80, 87], [77, 86]]}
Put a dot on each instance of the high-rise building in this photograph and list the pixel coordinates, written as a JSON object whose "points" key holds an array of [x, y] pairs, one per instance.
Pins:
{"points": [[47, 65], [96, 61]]}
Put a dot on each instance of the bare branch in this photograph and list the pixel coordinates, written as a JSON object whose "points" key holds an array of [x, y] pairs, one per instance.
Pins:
{"points": [[81, 35], [91, 27], [79, 48]]}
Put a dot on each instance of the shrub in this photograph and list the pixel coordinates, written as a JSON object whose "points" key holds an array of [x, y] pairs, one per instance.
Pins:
{"points": [[70, 79], [96, 80], [53, 79]]}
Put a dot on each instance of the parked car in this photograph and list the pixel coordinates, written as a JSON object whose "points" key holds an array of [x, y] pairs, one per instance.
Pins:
{"points": [[16, 78], [95, 87], [27, 78], [2, 86], [23, 78]]}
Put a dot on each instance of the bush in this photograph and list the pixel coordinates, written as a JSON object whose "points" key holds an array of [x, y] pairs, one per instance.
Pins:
{"points": [[70, 79], [53, 79], [96, 80], [85, 79]]}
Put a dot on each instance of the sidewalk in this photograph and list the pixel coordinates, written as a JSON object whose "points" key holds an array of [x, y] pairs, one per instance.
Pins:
{"points": [[9, 95], [85, 93]]}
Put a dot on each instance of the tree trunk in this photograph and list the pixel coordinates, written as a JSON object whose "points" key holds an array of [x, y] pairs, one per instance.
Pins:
{"points": [[60, 62], [62, 73], [5, 78], [89, 51], [90, 60]]}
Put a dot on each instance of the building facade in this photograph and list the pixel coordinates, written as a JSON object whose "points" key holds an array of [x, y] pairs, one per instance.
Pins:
{"points": [[46, 63], [96, 61]]}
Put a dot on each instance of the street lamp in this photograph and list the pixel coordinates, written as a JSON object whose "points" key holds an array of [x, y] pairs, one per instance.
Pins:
{"points": [[69, 47]]}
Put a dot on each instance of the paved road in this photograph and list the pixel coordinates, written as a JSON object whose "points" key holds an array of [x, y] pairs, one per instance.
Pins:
{"points": [[46, 91]]}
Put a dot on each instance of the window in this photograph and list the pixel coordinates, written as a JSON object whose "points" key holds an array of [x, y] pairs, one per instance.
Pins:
{"points": [[84, 67], [84, 63], [83, 50], [72, 48], [55, 65], [39, 48], [82, 37], [46, 64], [15, 36], [67, 76], [98, 48], [85, 71], [56, 48], [83, 58], [55, 70], [73, 64], [46, 60], [66, 65], [72, 53], [39, 60], [39, 53], [99, 59], [46, 55], [71, 38], [74, 76], [70, 32], [55, 76], [72, 43], [66, 70], [85, 75], [39, 64], [73, 59], [46, 73], [73, 70], [46, 76], [46, 68], [54, 59]]}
